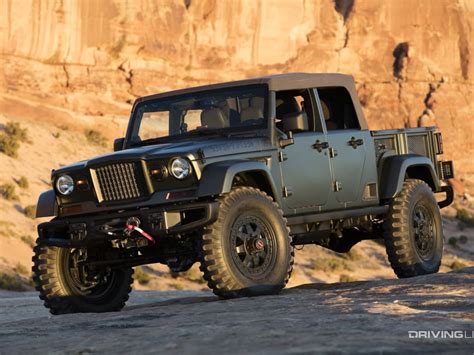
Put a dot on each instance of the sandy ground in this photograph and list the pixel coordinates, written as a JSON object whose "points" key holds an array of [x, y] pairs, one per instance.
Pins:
{"points": [[358, 317]]}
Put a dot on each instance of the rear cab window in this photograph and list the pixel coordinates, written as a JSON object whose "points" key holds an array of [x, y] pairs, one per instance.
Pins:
{"points": [[338, 109]]}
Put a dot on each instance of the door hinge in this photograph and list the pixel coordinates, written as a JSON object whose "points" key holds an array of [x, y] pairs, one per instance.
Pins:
{"points": [[282, 156], [287, 192], [332, 152], [337, 186], [201, 155]]}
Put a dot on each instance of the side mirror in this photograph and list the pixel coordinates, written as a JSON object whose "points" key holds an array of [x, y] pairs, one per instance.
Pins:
{"points": [[118, 144], [294, 122], [287, 141]]}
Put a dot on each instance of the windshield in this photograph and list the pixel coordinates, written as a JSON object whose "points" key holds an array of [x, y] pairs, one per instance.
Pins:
{"points": [[203, 113]]}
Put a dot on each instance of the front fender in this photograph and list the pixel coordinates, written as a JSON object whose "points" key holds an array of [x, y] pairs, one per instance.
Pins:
{"points": [[395, 168], [47, 206], [217, 177]]}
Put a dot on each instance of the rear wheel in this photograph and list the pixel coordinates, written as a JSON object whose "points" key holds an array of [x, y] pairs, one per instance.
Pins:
{"points": [[247, 251], [413, 231], [66, 285]]}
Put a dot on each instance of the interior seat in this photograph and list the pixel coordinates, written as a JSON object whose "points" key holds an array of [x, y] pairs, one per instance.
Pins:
{"points": [[327, 113], [285, 107], [214, 118], [253, 113]]}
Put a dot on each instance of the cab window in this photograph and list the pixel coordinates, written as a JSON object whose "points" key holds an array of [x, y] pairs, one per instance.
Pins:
{"points": [[293, 102], [337, 109]]}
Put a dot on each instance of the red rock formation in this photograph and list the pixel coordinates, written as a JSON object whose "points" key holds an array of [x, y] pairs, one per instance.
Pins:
{"points": [[411, 59]]}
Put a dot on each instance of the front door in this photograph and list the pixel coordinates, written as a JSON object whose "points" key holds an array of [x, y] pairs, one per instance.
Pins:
{"points": [[305, 167], [306, 172]]}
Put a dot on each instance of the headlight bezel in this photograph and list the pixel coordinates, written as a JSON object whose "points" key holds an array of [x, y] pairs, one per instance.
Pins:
{"points": [[60, 183], [184, 162]]}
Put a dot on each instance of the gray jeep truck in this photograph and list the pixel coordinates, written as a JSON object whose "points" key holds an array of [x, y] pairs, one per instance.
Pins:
{"points": [[233, 176]]}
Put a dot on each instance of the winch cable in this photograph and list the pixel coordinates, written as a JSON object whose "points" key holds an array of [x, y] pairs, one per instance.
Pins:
{"points": [[132, 227]]}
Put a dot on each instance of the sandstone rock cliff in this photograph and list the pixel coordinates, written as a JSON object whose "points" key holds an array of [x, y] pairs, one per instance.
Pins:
{"points": [[412, 59]]}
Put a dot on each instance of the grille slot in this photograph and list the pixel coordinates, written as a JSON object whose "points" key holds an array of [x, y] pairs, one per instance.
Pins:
{"points": [[120, 181]]}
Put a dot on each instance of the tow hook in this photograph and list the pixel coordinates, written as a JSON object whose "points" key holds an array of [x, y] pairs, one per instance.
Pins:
{"points": [[133, 224]]}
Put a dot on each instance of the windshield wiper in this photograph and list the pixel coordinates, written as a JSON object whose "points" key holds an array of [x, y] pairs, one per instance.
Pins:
{"points": [[194, 132], [151, 141], [203, 132]]}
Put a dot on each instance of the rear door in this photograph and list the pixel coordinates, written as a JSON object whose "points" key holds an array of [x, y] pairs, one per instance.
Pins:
{"points": [[350, 150]]}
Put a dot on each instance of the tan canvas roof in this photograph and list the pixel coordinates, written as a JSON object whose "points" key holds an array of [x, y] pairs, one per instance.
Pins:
{"points": [[278, 82]]}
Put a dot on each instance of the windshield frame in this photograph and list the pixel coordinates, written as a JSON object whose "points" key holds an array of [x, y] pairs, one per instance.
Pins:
{"points": [[135, 119]]}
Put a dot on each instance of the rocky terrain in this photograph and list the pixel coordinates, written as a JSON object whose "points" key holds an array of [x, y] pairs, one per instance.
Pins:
{"points": [[357, 317], [70, 70]]}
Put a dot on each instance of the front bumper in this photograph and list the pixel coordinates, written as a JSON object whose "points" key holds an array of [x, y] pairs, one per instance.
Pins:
{"points": [[96, 230]]}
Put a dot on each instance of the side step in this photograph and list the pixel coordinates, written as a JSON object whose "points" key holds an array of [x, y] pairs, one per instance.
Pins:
{"points": [[339, 214]]}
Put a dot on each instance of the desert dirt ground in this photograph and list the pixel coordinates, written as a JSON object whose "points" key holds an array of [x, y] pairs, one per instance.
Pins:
{"points": [[356, 317]]}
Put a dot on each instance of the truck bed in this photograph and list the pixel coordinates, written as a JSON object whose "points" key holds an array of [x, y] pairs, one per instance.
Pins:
{"points": [[425, 141]]}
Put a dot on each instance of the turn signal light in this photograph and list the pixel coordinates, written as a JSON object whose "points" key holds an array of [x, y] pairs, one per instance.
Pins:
{"points": [[82, 184], [72, 209], [159, 173], [180, 194]]}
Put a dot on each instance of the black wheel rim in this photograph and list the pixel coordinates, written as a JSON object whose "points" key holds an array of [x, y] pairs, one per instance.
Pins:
{"points": [[424, 230], [253, 246], [91, 285]]}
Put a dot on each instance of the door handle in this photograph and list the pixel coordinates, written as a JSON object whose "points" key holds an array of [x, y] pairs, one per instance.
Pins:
{"points": [[354, 143], [319, 146]]}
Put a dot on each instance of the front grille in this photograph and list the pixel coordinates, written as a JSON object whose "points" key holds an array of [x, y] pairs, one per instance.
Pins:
{"points": [[120, 181]]}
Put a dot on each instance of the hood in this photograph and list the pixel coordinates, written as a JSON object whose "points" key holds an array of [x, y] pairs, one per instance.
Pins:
{"points": [[207, 148]]}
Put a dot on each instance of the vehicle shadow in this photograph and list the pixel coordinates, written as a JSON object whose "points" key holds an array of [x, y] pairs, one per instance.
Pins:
{"points": [[173, 302], [188, 300], [405, 297]]}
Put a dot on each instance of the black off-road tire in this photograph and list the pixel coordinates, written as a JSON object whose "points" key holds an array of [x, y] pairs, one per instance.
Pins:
{"points": [[52, 280], [414, 247], [268, 255]]}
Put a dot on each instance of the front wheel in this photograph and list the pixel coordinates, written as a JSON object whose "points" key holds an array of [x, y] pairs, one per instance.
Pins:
{"points": [[66, 285], [413, 231], [247, 251]]}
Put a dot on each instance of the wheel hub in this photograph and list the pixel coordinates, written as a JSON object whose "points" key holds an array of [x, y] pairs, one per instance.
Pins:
{"points": [[252, 245], [80, 279], [259, 244], [424, 231]]}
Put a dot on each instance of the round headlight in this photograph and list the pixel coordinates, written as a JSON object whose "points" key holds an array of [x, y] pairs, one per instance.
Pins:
{"points": [[180, 168], [65, 185]]}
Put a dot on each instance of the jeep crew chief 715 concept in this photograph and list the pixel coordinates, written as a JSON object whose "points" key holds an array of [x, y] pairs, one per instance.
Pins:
{"points": [[233, 176]]}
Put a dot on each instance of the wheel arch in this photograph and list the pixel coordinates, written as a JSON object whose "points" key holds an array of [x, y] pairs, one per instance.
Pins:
{"points": [[397, 168], [218, 178], [46, 206]]}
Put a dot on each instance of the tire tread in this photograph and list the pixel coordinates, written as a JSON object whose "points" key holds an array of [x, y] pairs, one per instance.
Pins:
{"points": [[401, 255], [212, 264], [46, 279]]}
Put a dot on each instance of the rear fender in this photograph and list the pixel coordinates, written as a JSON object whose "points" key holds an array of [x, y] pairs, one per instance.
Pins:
{"points": [[396, 168]]}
